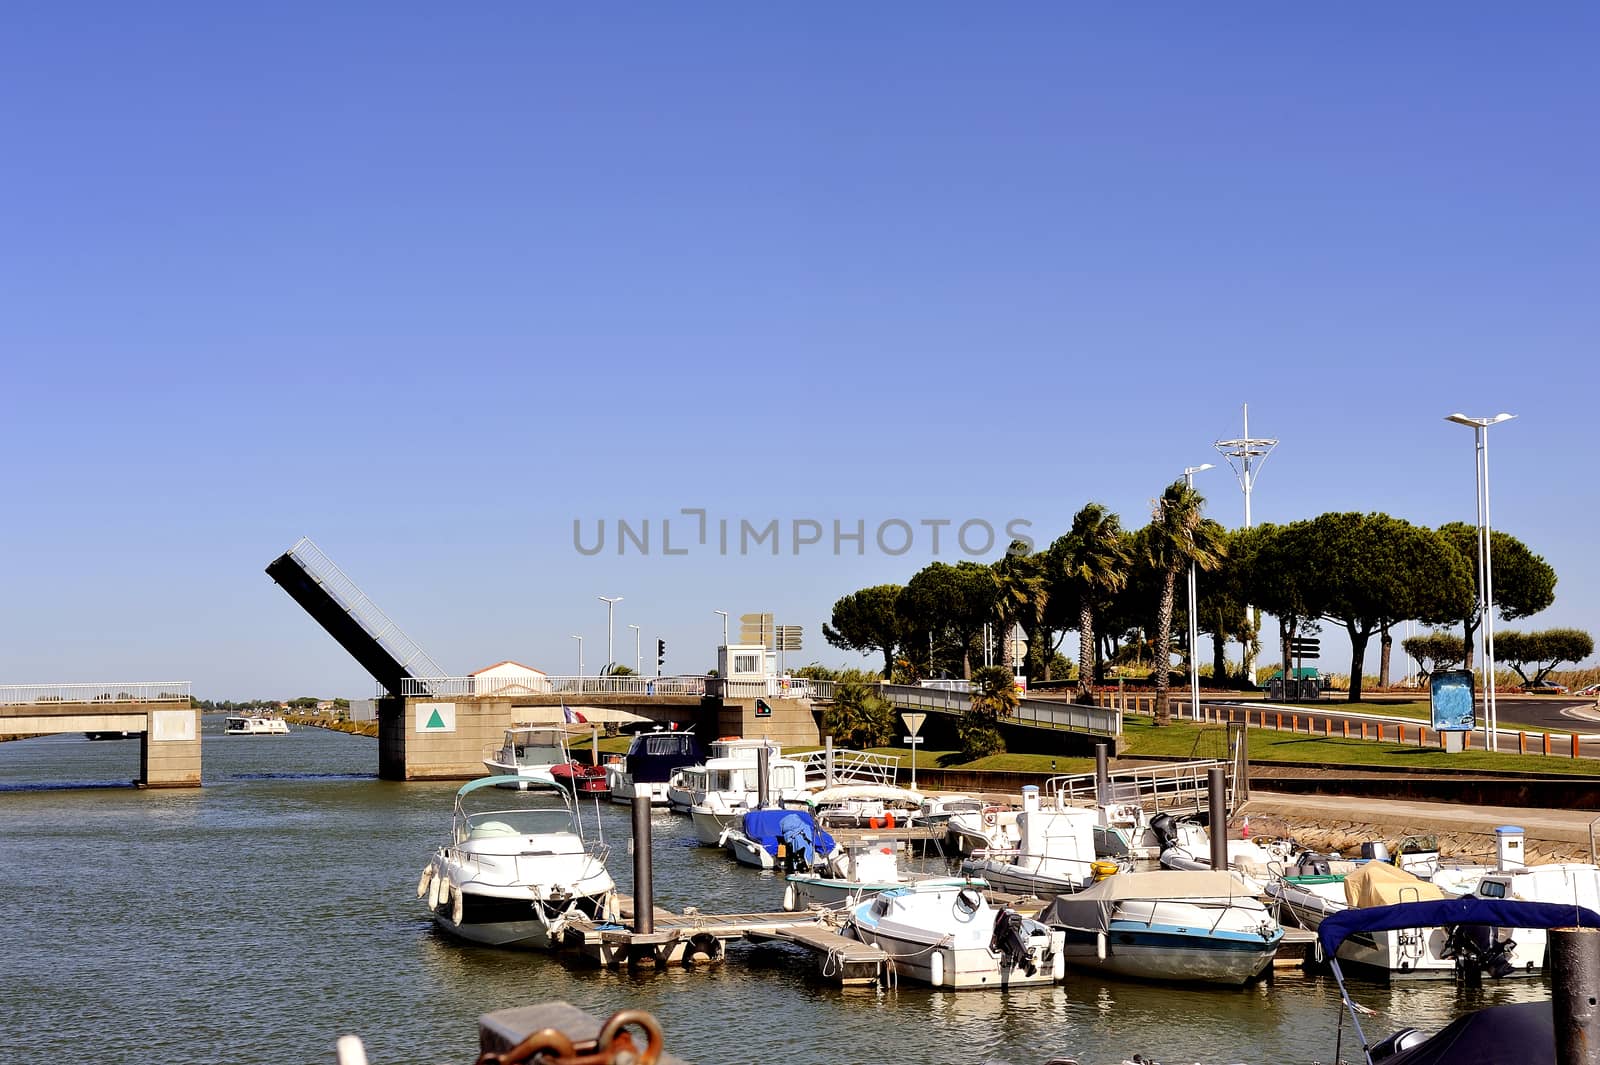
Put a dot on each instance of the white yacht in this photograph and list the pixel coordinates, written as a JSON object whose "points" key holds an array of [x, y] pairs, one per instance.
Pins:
{"points": [[529, 752], [731, 773], [513, 875], [256, 725], [649, 764]]}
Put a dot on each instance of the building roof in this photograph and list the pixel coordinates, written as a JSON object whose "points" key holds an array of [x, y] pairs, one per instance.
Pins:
{"points": [[508, 662]]}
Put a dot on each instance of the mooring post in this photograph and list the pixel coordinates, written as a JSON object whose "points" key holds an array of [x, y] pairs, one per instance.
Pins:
{"points": [[1102, 773], [644, 903], [763, 783], [827, 761], [1216, 785], [1575, 986]]}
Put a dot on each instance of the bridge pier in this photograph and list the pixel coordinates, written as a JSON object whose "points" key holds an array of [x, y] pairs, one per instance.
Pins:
{"points": [[169, 729]]}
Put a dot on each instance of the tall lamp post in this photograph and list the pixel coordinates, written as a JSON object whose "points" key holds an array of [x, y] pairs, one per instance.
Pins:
{"points": [[1480, 434], [575, 636], [611, 602], [724, 614], [637, 659], [1194, 623]]}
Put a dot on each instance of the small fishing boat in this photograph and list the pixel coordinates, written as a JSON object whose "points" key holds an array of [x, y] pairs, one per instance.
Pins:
{"points": [[515, 871], [256, 725], [949, 936], [1054, 854], [651, 758], [1186, 847], [780, 838], [1507, 1033], [1194, 927], [866, 867], [732, 771], [581, 779]]}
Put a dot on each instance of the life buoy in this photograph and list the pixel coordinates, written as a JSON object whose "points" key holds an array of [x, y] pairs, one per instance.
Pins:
{"points": [[888, 819]]}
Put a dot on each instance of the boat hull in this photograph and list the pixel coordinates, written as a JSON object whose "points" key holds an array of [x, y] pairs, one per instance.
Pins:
{"points": [[1170, 955]]}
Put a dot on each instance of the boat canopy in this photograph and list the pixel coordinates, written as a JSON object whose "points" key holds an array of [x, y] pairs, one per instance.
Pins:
{"points": [[1502, 913], [1517, 1031], [529, 776], [860, 792]]}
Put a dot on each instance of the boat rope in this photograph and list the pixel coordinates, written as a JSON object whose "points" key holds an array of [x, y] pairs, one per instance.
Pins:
{"points": [[613, 1046]]}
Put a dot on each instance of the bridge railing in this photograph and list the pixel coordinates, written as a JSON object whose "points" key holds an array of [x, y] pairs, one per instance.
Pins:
{"points": [[143, 691], [1046, 712], [541, 684], [852, 767]]}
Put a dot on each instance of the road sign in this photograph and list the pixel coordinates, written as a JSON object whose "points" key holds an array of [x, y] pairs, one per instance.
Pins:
{"points": [[756, 628], [913, 722], [788, 637], [1305, 648]]}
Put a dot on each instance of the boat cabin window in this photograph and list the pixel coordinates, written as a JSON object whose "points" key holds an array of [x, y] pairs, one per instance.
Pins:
{"points": [[520, 822], [1492, 889], [539, 754], [665, 744]]}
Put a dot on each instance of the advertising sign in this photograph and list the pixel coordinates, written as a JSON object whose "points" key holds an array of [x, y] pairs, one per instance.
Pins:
{"points": [[1451, 695]]}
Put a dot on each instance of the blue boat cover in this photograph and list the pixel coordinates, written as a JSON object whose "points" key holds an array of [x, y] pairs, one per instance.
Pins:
{"points": [[1502, 913], [1519, 1032], [795, 828]]}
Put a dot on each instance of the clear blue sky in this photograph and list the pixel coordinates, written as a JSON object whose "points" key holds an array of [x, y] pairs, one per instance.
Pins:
{"points": [[430, 285]]}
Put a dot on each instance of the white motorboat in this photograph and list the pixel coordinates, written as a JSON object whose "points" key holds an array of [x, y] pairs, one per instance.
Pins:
{"points": [[973, 825], [649, 764], [949, 936], [513, 875], [528, 752], [866, 806], [713, 816], [1400, 953], [1054, 853], [732, 773], [866, 867], [1194, 927], [256, 725], [1186, 847]]}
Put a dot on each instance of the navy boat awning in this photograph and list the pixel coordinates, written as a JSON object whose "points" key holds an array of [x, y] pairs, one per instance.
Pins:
{"points": [[1502, 913]]}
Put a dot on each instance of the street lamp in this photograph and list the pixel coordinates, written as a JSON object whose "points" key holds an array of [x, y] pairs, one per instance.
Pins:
{"points": [[724, 614], [611, 606], [1480, 434], [637, 660], [575, 636], [1194, 623]]}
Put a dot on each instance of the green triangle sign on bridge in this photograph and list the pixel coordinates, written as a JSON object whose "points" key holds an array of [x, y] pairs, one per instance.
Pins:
{"points": [[436, 721]]}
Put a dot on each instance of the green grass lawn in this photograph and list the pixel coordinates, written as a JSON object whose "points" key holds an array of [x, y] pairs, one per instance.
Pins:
{"points": [[1183, 739]]}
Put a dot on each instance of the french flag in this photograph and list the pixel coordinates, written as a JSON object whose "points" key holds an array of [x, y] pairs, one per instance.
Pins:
{"points": [[571, 716]]}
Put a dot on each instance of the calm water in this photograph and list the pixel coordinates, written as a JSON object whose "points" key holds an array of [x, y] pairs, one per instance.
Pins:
{"points": [[258, 918]]}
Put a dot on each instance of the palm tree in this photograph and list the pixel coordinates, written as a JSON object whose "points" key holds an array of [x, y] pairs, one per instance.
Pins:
{"points": [[1094, 560], [1020, 597], [1178, 536], [858, 716]]}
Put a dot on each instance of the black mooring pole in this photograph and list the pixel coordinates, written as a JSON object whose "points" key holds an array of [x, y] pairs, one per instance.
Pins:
{"points": [[644, 903], [1218, 789], [1575, 986], [1102, 773]]}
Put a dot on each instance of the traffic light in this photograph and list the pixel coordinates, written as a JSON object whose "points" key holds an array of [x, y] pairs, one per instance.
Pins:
{"points": [[661, 655]]}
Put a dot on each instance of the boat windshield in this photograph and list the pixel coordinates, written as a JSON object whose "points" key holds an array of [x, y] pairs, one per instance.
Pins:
{"points": [[539, 754], [519, 823]]}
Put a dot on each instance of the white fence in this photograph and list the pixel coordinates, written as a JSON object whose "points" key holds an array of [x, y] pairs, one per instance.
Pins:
{"points": [[541, 684], [1185, 785], [143, 691]]}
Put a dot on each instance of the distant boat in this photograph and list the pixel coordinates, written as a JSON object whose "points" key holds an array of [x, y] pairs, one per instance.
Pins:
{"points": [[256, 725], [110, 735]]}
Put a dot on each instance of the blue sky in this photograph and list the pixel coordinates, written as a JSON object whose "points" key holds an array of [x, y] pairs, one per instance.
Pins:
{"points": [[430, 286]]}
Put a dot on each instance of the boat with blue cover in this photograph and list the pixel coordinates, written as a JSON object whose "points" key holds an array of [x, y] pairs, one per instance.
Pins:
{"points": [[770, 838]]}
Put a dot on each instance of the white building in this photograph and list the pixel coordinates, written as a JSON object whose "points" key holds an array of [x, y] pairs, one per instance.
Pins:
{"points": [[509, 678]]}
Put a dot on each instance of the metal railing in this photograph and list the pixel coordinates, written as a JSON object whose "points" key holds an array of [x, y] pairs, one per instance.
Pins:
{"points": [[1158, 787], [143, 691], [770, 687], [852, 767], [541, 684], [363, 611], [1045, 712]]}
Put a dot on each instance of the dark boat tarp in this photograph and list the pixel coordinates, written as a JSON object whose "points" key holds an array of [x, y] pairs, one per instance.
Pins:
{"points": [[1523, 1032], [1502, 913], [794, 827]]}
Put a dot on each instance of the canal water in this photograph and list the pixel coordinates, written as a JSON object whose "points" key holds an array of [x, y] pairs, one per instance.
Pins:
{"points": [[256, 919]]}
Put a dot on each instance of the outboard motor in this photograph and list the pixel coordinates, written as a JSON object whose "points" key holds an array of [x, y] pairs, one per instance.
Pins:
{"points": [[1308, 864], [1165, 830], [1010, 940], [799, 839], [1476, 951]]}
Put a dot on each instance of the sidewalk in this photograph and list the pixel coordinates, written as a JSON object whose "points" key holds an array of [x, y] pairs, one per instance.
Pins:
{"points": [[1469, 828]]}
